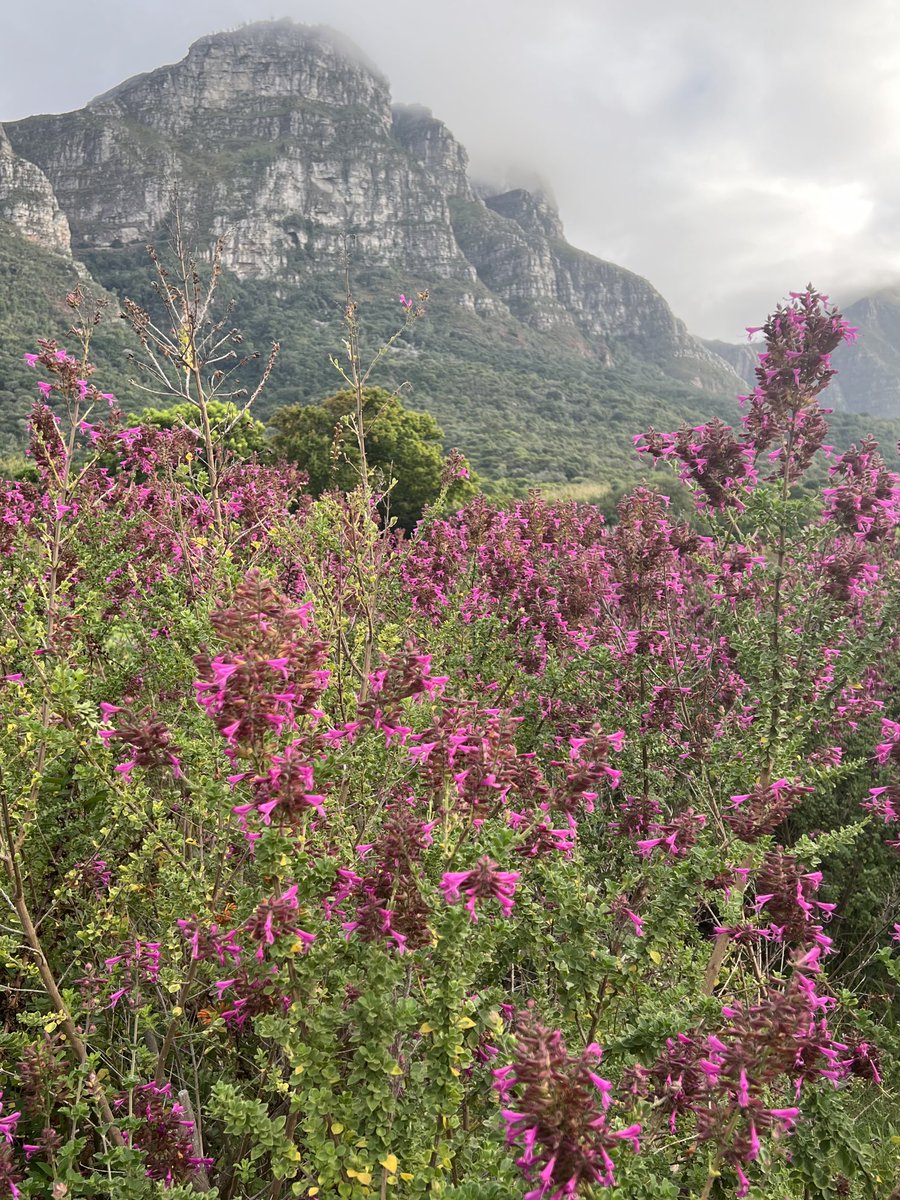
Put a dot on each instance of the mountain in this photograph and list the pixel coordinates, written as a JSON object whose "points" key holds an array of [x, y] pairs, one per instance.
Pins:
{"points": [[869, 371], [539, 359]]}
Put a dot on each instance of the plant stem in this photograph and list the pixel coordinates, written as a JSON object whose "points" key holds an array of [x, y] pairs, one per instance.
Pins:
{"points": [[77, 1046]]}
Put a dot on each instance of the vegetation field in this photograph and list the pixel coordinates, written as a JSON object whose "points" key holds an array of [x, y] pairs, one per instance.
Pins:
{"points": [[364, 835]]}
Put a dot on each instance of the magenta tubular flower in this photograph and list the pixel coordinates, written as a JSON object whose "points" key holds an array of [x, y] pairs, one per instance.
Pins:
{"points": [[724, 1083], [8, 1122], [675, 838], [271, 672], [761, 811], [889, 749], [484, 881], [559, 1122], [164, 1135], [274, 919]]}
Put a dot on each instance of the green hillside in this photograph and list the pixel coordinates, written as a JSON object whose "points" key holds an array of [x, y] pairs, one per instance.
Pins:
{"points": [[519, 405], [524, 408], [33, 288]]}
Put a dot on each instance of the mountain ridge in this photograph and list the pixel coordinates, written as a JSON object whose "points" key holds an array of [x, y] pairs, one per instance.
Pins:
{"points": [[539, 359], [286, 135]]}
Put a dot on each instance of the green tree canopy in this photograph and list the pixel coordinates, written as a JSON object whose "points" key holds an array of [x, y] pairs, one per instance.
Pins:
{"points": [[401, 445], [237, 431]]}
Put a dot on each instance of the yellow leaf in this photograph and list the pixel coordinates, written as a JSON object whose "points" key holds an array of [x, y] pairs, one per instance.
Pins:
{"points": [[465, 1023], [454, 1071], [337, 1127], [656, 957], [406, 1177], [426, 1028], [395, 1070], [364, 1177], [313, 1191], [390, 1163], [184, 345]]}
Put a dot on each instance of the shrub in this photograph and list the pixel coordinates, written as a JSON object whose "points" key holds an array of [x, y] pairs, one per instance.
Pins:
{"points": [[403, 447], [346, 864]]}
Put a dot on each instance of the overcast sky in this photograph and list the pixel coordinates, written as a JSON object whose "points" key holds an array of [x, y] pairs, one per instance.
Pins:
{"points": [[728, 151]]}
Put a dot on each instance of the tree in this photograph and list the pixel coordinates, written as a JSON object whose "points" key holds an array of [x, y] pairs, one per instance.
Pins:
{"points": [[401, 445], [239, 432]]}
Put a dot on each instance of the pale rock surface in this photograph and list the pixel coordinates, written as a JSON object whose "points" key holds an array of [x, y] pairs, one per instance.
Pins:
{"points": [[27, 201]]}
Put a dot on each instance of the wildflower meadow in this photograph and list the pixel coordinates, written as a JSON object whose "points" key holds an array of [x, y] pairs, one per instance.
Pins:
{"points": [[527, 854]]}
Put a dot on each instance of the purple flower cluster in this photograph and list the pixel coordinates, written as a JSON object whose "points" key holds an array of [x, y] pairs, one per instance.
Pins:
{"points": [[559, 1123]]}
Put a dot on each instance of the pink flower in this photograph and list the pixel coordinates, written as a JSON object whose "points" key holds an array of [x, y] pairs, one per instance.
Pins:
{"points": [[483, 882], [8, 1122]]}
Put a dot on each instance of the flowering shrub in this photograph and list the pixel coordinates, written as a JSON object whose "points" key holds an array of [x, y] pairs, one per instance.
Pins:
{"points": [[477, 863]]}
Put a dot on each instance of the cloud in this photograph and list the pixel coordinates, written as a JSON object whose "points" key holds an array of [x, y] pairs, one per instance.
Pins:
{"points": [[727, 152]]}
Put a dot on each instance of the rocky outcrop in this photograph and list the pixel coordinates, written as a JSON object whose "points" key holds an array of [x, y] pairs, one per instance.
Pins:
{"points": [[516, 243], [431, 143], [532, 212], [282, 139], [27, 201]]}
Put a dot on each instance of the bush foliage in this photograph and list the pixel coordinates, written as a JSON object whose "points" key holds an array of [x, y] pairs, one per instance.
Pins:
{"points": [[403, 446], [492, 860]]}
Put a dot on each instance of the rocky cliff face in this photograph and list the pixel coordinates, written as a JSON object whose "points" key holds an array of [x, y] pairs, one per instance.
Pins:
{"points": [[277, 136], [28, 203], [434, 147], [282, 138], [516, 243], [743, 357]]}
